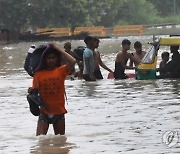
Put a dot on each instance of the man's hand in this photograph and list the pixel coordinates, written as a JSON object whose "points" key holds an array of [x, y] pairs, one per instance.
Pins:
{"points": [[31, 89]]}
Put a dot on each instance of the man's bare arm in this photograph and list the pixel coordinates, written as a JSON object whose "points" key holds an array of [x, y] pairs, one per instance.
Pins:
{"points": [[103, 65]]}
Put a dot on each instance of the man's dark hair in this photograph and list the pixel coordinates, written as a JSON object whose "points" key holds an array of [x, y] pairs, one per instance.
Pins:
{"points": [[88, 38], [96, 39], [174, 48], [164, 54], [48, 52], [137, 44], [126, 41]]}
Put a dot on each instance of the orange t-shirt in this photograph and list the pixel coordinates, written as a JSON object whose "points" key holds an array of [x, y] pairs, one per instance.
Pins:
{"points": [[51, 87]]}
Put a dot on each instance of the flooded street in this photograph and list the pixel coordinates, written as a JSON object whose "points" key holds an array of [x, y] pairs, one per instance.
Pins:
{"points": [[107, 116]]}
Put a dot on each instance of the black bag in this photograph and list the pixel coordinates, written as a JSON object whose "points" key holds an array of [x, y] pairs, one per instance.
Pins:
{"points": [[35, 101], [78, 53], [33, 60], [34, 108]]}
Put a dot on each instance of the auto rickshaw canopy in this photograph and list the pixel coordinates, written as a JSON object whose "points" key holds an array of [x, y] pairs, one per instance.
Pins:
{"points": [[169, 41]]}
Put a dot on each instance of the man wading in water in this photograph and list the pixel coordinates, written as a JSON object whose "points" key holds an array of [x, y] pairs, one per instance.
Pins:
{"points": [[139, 54], [88, 60], [121, 60], [98, 61], [49, 81]]}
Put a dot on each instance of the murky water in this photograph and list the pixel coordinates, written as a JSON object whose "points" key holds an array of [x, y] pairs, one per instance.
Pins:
{"points": [[107, 116]]}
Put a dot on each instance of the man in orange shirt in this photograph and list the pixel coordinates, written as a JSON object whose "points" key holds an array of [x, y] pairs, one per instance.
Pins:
{"points": [[49, 80]]}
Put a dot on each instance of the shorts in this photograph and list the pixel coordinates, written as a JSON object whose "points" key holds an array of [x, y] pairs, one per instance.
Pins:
{"points": [[51, 119], [86, 77], [97, 74]]}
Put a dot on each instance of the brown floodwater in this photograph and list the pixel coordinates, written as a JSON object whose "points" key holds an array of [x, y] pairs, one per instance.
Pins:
{"points": [[107, 116]]}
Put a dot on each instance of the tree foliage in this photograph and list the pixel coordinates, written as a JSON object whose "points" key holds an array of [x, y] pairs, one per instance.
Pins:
{"points": [[166, 7], [136, 12], [23, 14], [13, 14]]}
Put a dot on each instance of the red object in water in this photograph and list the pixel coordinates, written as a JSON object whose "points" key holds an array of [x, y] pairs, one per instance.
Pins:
{"points": [[110, 75], [131, 75]]}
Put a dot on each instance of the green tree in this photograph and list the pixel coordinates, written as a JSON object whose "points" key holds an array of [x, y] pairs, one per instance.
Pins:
{"points": [[13, 14], [69, 13], [166, 7], [23, 14], [110, 13], [136, 12]]}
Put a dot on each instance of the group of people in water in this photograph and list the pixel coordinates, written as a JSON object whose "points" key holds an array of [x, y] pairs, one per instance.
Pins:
{"points": [[56, 65], [89, 67], [170, 69]]}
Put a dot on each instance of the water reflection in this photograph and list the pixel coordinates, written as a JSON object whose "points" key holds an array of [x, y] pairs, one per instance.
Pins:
{"points": [[51, 145], [171, 85], [89, 89]]}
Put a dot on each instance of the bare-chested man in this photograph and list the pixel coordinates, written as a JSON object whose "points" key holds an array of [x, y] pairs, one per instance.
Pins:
{"points": [[98, 61], [121, 60], [139, 54]]}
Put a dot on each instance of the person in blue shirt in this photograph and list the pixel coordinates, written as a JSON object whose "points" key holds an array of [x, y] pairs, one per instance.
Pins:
{"points": [[88, 59]]}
